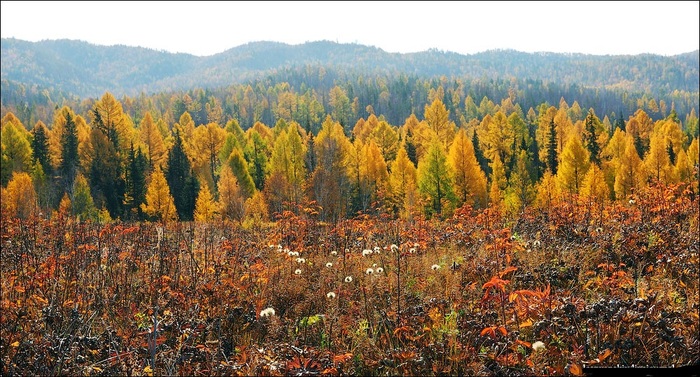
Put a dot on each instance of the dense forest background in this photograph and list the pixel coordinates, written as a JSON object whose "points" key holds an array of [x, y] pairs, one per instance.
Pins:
{"points": [[337, 126]]}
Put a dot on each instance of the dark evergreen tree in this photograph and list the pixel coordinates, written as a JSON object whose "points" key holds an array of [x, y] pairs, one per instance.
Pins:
{"points": [[137, 163], [479, 154], [411, 148], [534, 153], [552, 158], [69, 153], [591, 140], [106, 181], [183, 186], [620, 122], [256, 155], [40, 148], [310, 158], [671, 153], [639, 146]]}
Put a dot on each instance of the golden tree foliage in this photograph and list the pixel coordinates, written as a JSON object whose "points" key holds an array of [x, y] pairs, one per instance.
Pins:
{"points": [[656, 162], [468, 179], [19, 198], [547, 191], [159, 202], [231, 200], [206, 209], [574, 165], [256, 211], [438, 118], [402, 181], [373, 172], [629, 176], [594, 186], [153, 140]]}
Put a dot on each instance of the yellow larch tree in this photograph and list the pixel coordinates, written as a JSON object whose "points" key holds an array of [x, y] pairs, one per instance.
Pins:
{"points": [[402, 181], [573, 166], [153, 141], [19, 199], [468, 179], [205, 209], [159, 202], [630, 175]]}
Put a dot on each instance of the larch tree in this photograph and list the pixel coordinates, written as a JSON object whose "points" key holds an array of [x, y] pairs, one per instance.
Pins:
{"points": [[239, 168], [387, 139], [438, 119], [256, 153], [159, 202], [153, 140], [435, 179], [16, 150], [468, 179], [82, 205], [657, 162], [575, 161], [231, 200], [205, 209], [287, 167], [629, 176], [594, 188], [329, 181], [19, 198], [403, 181], [373, 172]]}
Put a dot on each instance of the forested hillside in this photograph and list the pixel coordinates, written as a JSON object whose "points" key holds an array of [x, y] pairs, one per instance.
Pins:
{"points": [[333, 209], [87, 70]]}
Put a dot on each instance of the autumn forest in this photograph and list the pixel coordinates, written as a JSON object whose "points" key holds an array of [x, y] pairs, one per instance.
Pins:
{"points": [[310, 222]]}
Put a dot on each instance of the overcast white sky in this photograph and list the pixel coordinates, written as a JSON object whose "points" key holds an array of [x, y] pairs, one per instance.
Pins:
{"points": [[207, 28]]}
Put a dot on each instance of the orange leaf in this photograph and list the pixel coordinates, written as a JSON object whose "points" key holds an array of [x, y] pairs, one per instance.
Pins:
{"points": [[605, 354], [576, 370]]}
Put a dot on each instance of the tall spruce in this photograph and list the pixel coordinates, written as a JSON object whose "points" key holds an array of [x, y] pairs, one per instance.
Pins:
{"points": [[184, 187], [40, 147], [69, 153], [137, 163], [552, 160], [591, 139], [479, 154]]}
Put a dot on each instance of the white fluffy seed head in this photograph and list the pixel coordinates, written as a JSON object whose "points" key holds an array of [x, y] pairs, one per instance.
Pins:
{"points": [[435, 267], [297, 271], [330, 294], [348, 279], [369, 271]]}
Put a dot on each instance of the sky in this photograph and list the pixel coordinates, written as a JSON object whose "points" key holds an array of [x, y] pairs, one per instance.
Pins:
{"points": [[205, 28]]}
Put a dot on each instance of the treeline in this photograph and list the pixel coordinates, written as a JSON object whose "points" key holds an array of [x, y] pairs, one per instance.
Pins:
{"points": [[306, 95], [129, 160]]}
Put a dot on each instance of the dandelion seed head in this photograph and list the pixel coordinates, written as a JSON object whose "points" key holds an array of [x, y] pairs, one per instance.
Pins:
{"points": [[366, 252], [334, 252], [267, 312], [329, 264], [380, 270], [301, 260], [536, 243], [369, 271], [377, 249], [537, 346], [435, 267], [297, 271], [348, 279], [412, 250], [330, 294], [632, 201]]}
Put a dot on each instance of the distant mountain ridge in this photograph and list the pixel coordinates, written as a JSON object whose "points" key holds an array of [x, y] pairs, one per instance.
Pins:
{"points": [[88, 70]]}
